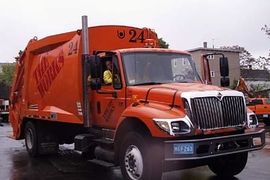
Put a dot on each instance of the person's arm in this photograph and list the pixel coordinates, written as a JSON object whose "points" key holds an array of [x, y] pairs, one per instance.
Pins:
{"points": [[107, 77]]}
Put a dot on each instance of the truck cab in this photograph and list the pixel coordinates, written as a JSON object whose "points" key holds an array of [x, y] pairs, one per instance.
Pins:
{"points": [[142, 74]]}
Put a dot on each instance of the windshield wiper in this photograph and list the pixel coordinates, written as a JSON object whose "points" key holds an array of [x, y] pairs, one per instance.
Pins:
{"points": [[147, 83], [183, 81]]}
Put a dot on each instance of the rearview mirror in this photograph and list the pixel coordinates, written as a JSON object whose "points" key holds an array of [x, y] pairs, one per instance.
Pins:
{"points": [[224, 66], [224, 82], [94, 65]]}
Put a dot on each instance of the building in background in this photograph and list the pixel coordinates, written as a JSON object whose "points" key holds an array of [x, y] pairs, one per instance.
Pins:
{"points": [[233, 57], [258, 81]]}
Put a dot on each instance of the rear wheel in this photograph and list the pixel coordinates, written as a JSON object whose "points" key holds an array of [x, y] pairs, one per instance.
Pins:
{"points": [[229, 165], [5, 118], [31, 139], [137, 160], [267, 121]]}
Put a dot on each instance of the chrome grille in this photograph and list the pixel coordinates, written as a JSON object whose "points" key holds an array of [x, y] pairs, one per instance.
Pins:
{"points": [[211, 113]]}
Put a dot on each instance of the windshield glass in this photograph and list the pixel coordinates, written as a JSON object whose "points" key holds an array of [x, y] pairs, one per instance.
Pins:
{"points": [[152, 67]]}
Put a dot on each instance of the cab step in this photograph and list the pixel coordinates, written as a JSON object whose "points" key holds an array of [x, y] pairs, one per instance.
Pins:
{"points": [[105, 142], [101, 163]]}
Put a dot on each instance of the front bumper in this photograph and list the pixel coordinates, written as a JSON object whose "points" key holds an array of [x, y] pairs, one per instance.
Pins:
{"points": [[193, 149]]}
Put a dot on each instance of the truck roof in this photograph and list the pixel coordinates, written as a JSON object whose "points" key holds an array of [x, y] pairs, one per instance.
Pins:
{"points": [[106, 37], [152, 50]]}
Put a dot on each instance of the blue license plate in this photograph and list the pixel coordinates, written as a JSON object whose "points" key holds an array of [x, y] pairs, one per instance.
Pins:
{"points": [[183, 148]]}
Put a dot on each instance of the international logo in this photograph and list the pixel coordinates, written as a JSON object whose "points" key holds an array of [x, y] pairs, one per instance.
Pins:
{"points": [[219, 96]]}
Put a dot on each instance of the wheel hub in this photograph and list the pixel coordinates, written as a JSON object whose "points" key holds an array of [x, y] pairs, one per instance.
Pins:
{"points": [[134, 162], [29, 139]]}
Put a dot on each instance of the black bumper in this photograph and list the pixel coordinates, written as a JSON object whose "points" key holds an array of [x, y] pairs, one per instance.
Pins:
{"points": [[215, 146]]}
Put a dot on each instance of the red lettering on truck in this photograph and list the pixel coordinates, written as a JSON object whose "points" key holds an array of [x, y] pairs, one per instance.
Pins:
{"points": [[45, 73]]}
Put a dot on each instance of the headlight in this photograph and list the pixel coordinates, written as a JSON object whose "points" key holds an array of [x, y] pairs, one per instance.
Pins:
{"points": [[164, 125], [252, 120], [180, 127], [174, 126]]}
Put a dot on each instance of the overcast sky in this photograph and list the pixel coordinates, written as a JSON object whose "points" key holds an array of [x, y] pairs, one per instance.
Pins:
{"points": [[184, 24]]}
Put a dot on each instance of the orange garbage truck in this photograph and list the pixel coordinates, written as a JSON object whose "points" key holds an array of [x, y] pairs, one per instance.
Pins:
{"points": [[156, 115]]}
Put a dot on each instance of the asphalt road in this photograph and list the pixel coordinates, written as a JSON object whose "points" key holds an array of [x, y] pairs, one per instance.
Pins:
{"points": [[15, 164]]}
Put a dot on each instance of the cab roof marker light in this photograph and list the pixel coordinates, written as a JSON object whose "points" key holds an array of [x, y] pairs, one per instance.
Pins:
{"points": [[150, 43]]}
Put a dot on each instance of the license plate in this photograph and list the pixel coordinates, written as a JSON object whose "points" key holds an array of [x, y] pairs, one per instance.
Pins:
{"points": [[183, 148], [265, 115]]}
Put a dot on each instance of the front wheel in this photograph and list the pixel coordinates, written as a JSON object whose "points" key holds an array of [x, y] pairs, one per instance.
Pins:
{"points": [[31, 139], [137, 161], [229, 165]]}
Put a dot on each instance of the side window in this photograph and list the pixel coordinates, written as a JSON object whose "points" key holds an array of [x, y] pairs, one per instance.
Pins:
{"points": [[257, 102], [211, 56], [110, 72], [117, 82], [105, 71], [213, 74], [250, 103], [267, 101]]}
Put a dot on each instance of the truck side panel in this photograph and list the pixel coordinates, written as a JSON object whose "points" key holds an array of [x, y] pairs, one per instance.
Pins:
{"points": [[54, 81], [48, 78]]}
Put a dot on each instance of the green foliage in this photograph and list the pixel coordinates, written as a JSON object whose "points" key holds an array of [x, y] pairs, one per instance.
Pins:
{"points": [[258, 87], [162, 43], [7, 74], [234, 84]]}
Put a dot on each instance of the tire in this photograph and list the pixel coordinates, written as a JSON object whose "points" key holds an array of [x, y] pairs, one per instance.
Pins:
{"points": [[266, 122], [137, 160], [31, 139], [229, 165], [5, 118]]}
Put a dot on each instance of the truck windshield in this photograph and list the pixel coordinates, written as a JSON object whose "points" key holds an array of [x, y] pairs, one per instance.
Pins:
{"points": [[143, 68]]}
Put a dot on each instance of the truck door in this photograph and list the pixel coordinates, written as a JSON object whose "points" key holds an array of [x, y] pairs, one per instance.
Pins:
{"points": [[251, 105], [265, 107], [109, 102]]}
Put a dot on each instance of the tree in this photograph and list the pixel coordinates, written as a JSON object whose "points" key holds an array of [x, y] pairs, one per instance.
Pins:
{"points": [[258, 87], [266, 30], [246, 59], [7, 74], [162, 43], [263, 63]]}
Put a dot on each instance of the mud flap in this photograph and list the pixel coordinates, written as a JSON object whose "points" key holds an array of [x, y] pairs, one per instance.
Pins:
{"points": [[48, 148], [47, 141]]}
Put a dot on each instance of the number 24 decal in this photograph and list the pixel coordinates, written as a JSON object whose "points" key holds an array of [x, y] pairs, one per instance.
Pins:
{"points": [[134, 36], [73, 48]]}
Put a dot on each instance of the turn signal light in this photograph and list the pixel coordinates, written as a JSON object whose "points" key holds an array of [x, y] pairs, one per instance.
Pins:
{"points": [[136, 100]]}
